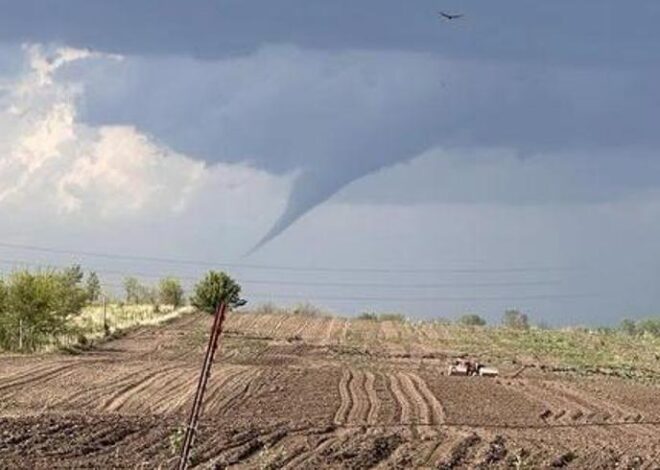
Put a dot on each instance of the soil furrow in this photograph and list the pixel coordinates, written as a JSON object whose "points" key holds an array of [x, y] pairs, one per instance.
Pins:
{"points": [[372, 396], [342, 414], [359, 399], [119, 398], [422, 412], [405, 412], [437, 413], [31, 379]]}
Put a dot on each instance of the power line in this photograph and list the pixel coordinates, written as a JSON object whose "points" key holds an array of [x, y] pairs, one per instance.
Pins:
{"points": [[429, 299], [311, 297], [364, 298], [406, 286], [99, 271], [301, 297], [390, 285], [189, 262]]}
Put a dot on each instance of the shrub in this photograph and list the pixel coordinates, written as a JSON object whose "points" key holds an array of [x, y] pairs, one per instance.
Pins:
{"points": [[307, 310], [628, 326], [397, 317], [542, 325], [392, 317], [368, 316], [171, 292], [649, 326], [267, 308], [515, 319], [470, 319], [215, 288]]}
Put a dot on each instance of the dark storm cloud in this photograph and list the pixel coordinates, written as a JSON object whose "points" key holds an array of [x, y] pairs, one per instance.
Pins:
{"points": [[531, 76], [336, 117], [561, 30]]}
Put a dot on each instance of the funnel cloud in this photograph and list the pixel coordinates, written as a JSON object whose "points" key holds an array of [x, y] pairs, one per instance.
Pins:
{"points": [[331, 118], [282, 96]]}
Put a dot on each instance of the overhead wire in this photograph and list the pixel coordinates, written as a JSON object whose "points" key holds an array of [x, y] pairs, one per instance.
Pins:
{"points": [[308, 283], [127, 257], [388, 285]]}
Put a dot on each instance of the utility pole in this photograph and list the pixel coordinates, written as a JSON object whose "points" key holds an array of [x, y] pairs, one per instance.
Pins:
{"points": [[211, 347]]}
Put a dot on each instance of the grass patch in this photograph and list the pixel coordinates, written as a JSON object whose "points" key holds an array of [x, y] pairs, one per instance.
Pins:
{"points": [[90, 330]]}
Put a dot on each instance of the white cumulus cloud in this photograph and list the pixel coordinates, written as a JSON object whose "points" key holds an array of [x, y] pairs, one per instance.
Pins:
{"points": [[51, 160]]}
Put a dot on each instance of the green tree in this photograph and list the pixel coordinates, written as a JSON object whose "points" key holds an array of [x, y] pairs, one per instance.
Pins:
{"points": [[132, 288], [628, 326], [93, 287], [3, 296], [4, 320], [73, 274], [515, 319], [215, 288], [38, 307], [74, 295], [171, 292], [138, 293], [470, 319]]}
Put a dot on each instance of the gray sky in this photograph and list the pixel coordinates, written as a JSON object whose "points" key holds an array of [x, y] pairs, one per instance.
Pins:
{"points": [[506, 158]]}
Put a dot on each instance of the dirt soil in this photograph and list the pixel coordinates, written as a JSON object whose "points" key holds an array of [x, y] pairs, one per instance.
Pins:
{"points": [[301, 392]]}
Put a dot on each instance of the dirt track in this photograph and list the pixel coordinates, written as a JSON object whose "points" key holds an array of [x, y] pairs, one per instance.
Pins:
{"points": [[299, 392]]}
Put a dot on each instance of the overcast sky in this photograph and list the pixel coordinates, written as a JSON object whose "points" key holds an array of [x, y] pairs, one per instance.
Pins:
{"points": [[364, 156]]}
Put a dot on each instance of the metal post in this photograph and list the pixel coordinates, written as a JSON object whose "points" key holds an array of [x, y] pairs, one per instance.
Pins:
{"points": [[211, 347]]}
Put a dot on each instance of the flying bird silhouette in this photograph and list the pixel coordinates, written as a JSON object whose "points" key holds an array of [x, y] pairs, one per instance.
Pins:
{"points": [[448, 16]]}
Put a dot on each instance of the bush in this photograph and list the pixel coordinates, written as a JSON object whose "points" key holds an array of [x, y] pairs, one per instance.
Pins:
{"points": [[215, 288], [397, 317], [368, 316], [628, 326], [515, 319], [391, 317], [171, 292], [542, 325], [649, 326], [307, 310], [268, 308], [36, 307], [470, 319]]}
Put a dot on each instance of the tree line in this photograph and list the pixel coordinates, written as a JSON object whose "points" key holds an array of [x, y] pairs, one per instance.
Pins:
{"points": [[37, 307], [512, 318]]}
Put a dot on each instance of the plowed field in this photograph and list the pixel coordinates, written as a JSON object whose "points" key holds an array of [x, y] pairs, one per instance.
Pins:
{"points": [[306, 392]]}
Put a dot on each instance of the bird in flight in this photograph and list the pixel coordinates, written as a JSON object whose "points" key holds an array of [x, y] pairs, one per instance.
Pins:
{"points": [[448, 16]]}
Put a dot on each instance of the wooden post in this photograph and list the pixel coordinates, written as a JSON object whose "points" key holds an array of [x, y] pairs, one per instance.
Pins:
{"points": [[211, 347], [105, 318], [20, 334]]}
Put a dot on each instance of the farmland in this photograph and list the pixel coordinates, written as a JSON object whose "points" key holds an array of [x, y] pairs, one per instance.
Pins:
{"points": [[305, 391]]}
